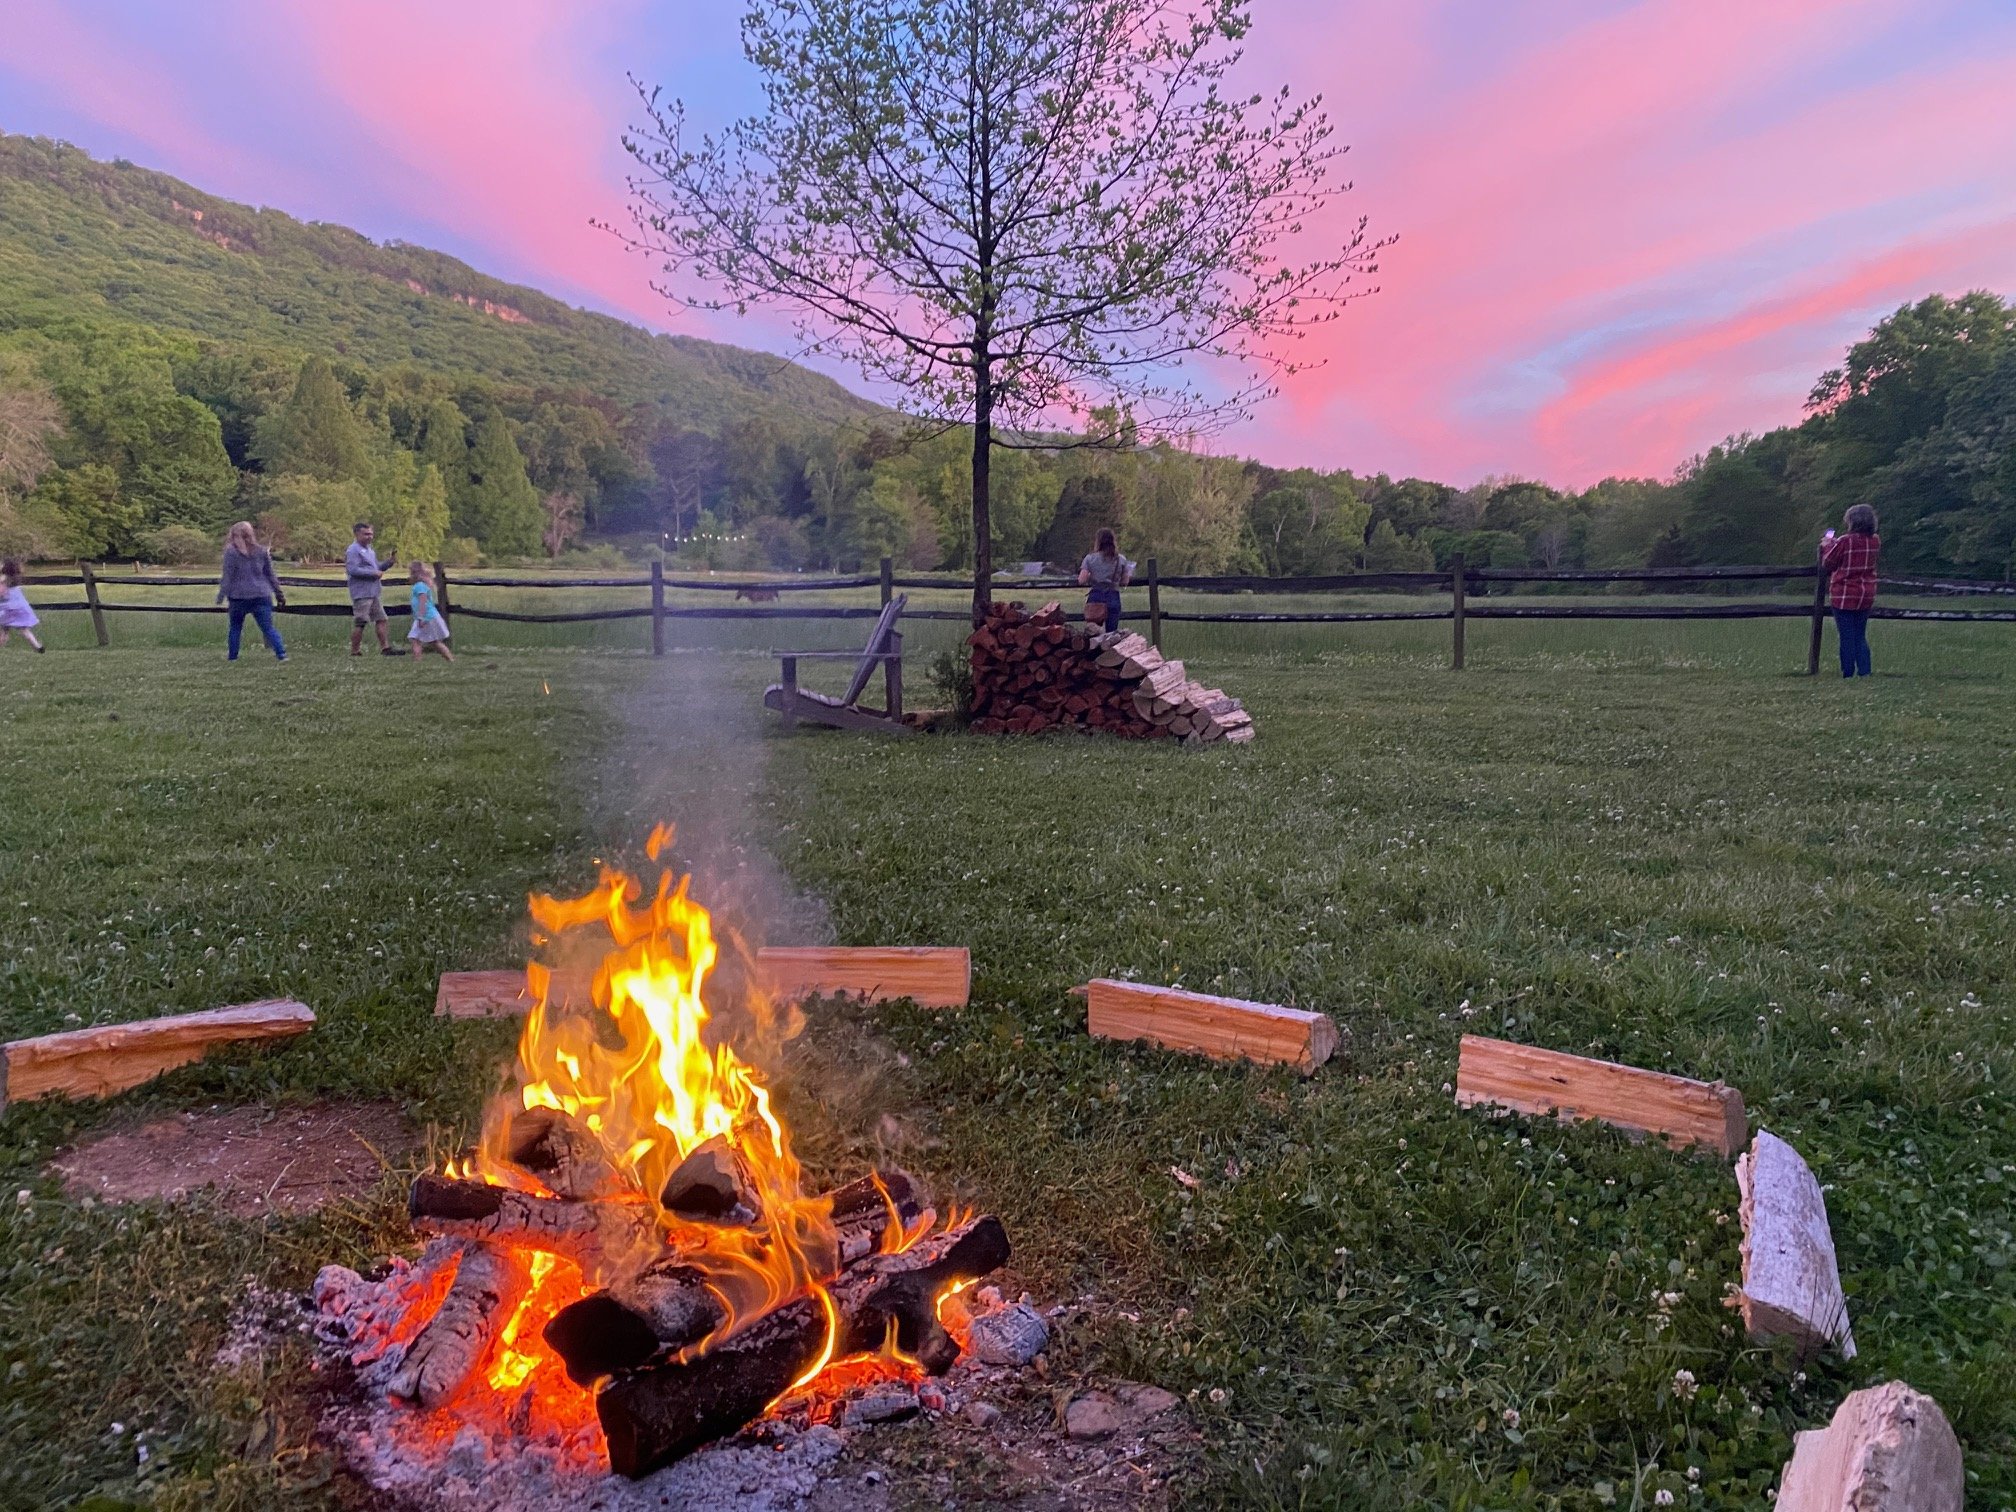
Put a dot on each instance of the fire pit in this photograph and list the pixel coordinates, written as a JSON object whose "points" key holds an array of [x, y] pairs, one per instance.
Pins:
{"points": [[629, 1267]]}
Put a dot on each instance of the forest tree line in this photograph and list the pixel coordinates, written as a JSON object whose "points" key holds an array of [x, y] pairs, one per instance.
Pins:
{"points": [[127, 441]]}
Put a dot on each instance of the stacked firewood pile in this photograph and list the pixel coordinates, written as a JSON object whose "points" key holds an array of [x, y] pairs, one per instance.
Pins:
{"points": [[1038, 671]]}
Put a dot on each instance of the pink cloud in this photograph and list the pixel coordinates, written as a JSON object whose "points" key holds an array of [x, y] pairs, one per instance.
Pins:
{"points": [[493, 121], [98, 75], [1585, 188]]}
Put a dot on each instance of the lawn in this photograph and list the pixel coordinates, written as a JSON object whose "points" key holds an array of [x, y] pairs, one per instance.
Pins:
{"points": [[1647, 842]]}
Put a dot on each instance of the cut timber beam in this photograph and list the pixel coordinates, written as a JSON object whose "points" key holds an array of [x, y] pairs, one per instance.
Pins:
{"points": [[496, 994], [1791, 1285], [1528, 1079], [111, 1058], [1228, 1028], [933, 976], [1888, 1449]]}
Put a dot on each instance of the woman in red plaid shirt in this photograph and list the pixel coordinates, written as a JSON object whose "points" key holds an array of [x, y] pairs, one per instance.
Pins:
{"points": [[1850, 564]]}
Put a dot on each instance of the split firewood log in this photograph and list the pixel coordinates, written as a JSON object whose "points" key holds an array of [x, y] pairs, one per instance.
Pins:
{"points": [[713, 1185], [488, 1286], [562, 1153]]}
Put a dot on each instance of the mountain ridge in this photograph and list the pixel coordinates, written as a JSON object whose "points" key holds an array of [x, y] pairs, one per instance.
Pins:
{"points": [[143, 246]]}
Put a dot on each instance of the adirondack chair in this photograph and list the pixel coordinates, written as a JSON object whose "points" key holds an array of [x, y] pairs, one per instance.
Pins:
{"points": [[885, 645]]}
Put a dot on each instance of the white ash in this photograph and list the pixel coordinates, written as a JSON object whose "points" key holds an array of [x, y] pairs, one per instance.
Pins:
{"points": [[881, 1404], [371, 1322], [262, 1318], [476, 1473]]}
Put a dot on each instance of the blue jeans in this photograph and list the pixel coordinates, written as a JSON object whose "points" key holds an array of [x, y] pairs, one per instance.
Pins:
{"points": [[1852, 625], [261, 611], [1110, 597]]}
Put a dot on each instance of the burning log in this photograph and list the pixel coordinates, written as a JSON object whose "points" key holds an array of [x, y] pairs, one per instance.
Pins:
{"points": [[572, 1162], [597, 1236], [713, 1185], [656, 1414], [895, 1297], [670, 1305], [488, 1286]]}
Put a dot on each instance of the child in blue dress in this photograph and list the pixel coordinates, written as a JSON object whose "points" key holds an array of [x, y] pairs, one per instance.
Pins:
{"points": [[429, 627]]}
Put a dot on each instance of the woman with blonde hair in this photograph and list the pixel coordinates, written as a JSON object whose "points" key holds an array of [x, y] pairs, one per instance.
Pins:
{"points": [[248, 585]]}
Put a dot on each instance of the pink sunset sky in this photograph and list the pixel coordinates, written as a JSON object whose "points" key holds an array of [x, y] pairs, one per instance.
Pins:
{"points": [[1628, 228]]}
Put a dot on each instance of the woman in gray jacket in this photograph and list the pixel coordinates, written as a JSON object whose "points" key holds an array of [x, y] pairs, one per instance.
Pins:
{"points": [[249, 587]]}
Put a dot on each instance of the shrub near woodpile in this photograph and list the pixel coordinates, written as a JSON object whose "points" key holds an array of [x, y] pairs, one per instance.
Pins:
{"points": [[1037, 671]]}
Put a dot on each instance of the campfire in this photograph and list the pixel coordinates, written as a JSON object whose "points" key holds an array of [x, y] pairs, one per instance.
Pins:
{"points": [[629, 1265]]}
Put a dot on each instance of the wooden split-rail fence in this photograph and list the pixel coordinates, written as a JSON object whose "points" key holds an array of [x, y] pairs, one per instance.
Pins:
{"points": [[1472, 593]]}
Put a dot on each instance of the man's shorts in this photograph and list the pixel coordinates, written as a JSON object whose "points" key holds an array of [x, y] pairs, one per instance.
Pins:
{"points": [[364, 610]]}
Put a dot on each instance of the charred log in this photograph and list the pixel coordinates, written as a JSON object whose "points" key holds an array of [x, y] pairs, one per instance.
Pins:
{"points": [[666, 1306], [894, 1298], [654, 1416], [600, 1237], [487, 1288], [864, 1208]]}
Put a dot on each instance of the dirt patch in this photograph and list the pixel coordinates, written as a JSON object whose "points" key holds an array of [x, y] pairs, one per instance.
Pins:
{"points": [[259, 1159]]}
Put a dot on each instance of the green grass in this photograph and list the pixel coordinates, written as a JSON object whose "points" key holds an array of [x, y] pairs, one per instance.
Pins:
{"points": [[1649, 843]]}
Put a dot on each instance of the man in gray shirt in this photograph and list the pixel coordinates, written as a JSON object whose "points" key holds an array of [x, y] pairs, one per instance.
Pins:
{"points": [[366, 575]]}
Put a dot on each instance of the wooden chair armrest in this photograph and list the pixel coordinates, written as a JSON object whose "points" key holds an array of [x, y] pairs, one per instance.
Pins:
{"points": [[854, 656]]}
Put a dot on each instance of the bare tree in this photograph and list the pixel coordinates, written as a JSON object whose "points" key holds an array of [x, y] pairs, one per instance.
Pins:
{"points": [[1016, 214], [30, 422], [563, 520]]}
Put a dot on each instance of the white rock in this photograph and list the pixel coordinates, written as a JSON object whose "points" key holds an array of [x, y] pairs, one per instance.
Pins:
{"points": [[1012, 1336]]}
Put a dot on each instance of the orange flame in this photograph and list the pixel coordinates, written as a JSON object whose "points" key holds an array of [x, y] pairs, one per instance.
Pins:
{"points": [[638, 1071]]}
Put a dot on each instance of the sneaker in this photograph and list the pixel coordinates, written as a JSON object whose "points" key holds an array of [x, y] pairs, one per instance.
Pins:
{"points": [[356, 653], [390, 651], [41, 648], [281, 657]]}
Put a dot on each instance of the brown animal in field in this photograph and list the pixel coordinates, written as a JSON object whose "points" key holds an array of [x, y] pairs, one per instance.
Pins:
{"points": [[757, 594]]}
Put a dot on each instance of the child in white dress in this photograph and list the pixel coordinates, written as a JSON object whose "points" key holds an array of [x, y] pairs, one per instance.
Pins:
{"points": [[429, 627], [14, 611]]}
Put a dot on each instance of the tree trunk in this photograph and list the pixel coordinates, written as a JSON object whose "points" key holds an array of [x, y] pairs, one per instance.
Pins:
{"points": [[983, 456]]}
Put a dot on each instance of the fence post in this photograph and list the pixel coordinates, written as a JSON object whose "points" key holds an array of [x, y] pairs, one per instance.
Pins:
{"points": [[888, 579], [91, 595], [658, 608], [441, 584], [1154, 604], [1456, 611], [1819, 620]]}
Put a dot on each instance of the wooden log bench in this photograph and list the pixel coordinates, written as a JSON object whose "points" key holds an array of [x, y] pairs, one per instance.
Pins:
{"points": [[1221, 1027], [934, 976], [1527, 1079], [109, 1058], [1888, 1449], [1791, 1282]]}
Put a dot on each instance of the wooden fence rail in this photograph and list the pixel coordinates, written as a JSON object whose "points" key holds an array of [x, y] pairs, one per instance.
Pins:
{"points": [[1458, 581]]}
